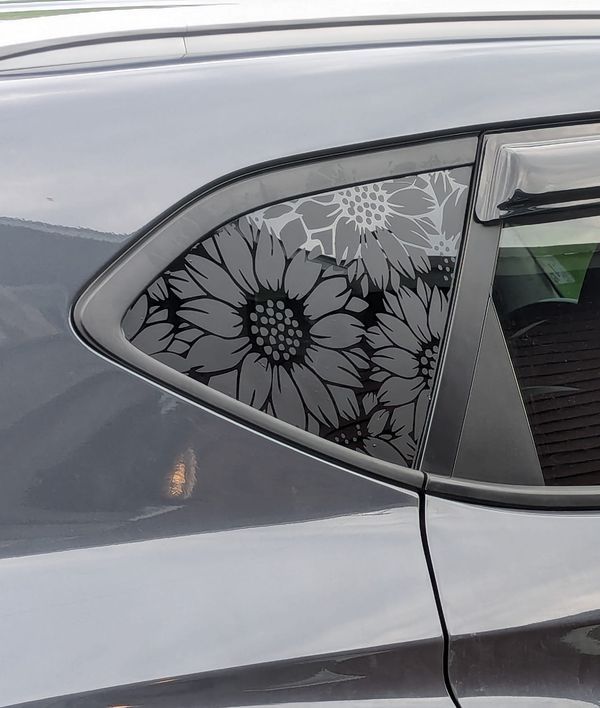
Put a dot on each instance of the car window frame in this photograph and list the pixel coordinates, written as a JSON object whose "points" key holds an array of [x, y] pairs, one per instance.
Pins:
{"points": [[471, 302], [97, 314]]}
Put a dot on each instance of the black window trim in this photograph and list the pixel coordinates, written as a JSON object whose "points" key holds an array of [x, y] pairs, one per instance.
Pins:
{"points": [[464, 330], [98, 312]]}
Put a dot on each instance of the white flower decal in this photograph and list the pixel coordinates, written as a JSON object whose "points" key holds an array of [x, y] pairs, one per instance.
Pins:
{"points": [[382, 228], [327, 311]]}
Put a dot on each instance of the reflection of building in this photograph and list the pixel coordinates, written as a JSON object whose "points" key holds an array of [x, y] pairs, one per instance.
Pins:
{"points": [[81, 422], [103, 456]]}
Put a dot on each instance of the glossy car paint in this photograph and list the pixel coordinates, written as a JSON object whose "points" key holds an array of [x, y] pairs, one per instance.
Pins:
{"points": [[274, 553], [520, 592], [143, 537], [163, 132]]}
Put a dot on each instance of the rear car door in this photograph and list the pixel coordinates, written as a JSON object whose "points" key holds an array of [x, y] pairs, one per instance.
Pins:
{"points": [[513, 528], [209, 493]]}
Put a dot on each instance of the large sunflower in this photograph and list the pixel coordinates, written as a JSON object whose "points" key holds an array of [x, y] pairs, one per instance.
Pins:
{"points": [[262, 321]]}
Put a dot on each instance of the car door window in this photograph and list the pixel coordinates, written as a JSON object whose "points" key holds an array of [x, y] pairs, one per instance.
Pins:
{"points": [[547, 295], [325, 311]]}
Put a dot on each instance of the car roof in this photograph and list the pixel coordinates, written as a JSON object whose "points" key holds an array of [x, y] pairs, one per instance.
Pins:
{"points": [[27, 27]]}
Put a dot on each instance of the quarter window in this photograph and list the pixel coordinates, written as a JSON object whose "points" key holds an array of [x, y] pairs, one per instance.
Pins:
{"points": [[327, 311], [547, 294]]}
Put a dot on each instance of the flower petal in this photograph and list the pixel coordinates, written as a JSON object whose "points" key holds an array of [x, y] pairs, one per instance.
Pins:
{"points": [[247, 229], [397, 361], [337, 331], [332, 366], [411, 200], [402, 419], [301, 275], [160, 314], [375, 262], [396, 330], [256, 378], [346, 240], [190, 335], [376, 447], [226, 383], [405, 446], [318, 215], [315, 394], [212, 354], [184, 285], [397, 391], [210, 248], [409, 231], [173, 360], [419, 259], [159, 290], [287, 403], [215, 280], [395, 252], [369, 401], [237, 257], [377, 422], [357, 305], [437, 312], [293, 236], [153, 338], [270, 260], [329, 295], [313, 425], [213, 316], [135, 316], [377, 337], [415, 313], [346, 402]]}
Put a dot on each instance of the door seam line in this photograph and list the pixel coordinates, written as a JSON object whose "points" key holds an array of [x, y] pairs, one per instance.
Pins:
{"points": [[437, 598]]}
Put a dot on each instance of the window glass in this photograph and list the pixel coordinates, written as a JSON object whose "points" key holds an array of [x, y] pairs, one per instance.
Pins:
{"points": [[326, 311], [547, 294]]}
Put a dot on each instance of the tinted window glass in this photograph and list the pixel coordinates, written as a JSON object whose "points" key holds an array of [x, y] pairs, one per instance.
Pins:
{"points": [[326, 311], [547, 293]]}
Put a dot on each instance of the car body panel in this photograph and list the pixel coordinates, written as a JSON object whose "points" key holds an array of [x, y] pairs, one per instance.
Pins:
{"points": [[296, 108], [134, 612], [520, 594], [146, 539]]}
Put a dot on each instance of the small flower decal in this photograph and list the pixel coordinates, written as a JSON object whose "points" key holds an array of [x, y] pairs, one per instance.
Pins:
{"points": [[406, 343], [327, 311], [380, 433]]}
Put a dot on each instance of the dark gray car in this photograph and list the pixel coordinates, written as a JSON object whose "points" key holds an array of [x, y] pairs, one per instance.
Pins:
{"points": [[299, 355]]}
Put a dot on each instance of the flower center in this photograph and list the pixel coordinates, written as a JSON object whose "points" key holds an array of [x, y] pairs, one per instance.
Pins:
{"points": [[427, 359], [441, 246], [366, 206], [276, 329], [351, 435]]}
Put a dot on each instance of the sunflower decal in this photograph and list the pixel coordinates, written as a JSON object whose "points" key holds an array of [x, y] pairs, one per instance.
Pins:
{"points": [[327, 312]]}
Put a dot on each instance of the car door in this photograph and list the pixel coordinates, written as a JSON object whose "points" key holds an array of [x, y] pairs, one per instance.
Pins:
{"points": [[513, 527], [315, 320], [189, 515]]}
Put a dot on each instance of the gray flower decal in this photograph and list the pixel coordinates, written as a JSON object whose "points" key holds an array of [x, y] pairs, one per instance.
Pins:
{"points": [[267, 326], [327, 311], [385, 434], [406, 341]]}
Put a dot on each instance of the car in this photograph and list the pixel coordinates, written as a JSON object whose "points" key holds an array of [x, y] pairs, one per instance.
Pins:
{"points": [[300, 354]]}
